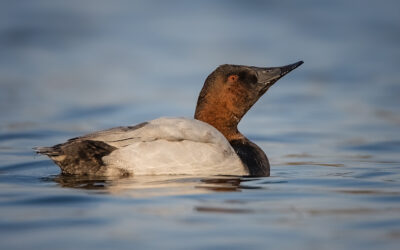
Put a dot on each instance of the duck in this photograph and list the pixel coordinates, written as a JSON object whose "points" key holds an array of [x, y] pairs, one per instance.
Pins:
{"points": [[206, 145]]}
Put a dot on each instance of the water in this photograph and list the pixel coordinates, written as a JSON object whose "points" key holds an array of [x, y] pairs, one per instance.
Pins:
{"points": [[331, 128]]}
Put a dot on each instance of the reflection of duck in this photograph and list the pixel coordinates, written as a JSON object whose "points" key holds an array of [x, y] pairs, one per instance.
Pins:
{"points": [[148, 186], [180, 145]]}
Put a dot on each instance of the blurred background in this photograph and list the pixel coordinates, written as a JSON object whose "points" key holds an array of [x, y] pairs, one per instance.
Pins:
{"points": [[89, 64], [72, 67]]}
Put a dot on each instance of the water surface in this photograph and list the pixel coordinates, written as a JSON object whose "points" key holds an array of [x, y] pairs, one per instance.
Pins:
{"points": [[331, 128]]}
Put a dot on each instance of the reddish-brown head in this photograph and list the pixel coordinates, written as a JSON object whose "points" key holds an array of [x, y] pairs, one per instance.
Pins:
{"points": [[231, 90]]}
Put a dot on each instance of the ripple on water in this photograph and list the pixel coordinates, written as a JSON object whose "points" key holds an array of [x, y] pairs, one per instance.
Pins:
{"points": [[27, 225], [25, 165], [383, 146], [57, 200]]}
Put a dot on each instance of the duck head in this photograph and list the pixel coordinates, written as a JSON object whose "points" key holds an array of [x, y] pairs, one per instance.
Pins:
{"points": [[231, 90]]}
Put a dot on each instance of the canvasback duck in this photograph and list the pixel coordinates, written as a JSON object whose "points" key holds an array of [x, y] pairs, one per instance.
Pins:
{"points": [[209, 144]]}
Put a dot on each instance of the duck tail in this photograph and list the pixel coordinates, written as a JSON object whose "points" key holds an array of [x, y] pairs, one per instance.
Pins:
{"points": [[49, 151]]}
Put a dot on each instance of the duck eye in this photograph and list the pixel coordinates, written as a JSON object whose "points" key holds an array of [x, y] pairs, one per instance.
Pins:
{"points": [[233, 78]]}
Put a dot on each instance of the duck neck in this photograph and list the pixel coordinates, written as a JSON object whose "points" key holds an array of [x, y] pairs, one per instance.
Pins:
{"points": [[227, 125]]}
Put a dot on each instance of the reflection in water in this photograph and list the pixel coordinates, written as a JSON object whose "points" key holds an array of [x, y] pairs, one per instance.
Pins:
{"points": [[82, 182], [147, 186]]}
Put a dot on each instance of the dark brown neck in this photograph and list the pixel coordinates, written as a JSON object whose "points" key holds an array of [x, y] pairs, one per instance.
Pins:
{"points": [[219, 120]]}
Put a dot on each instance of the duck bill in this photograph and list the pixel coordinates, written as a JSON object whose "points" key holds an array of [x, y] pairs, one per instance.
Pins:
{"points": [[268, 76]]}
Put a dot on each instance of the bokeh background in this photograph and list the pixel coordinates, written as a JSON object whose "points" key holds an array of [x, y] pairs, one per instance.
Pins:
{"points": [[72, 67]]}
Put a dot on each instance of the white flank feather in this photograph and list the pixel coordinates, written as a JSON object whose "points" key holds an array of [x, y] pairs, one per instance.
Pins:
{"points": [[168, 146]]}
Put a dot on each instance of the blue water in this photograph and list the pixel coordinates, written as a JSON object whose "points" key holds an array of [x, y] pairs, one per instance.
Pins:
{"points": [[331, 128]]}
